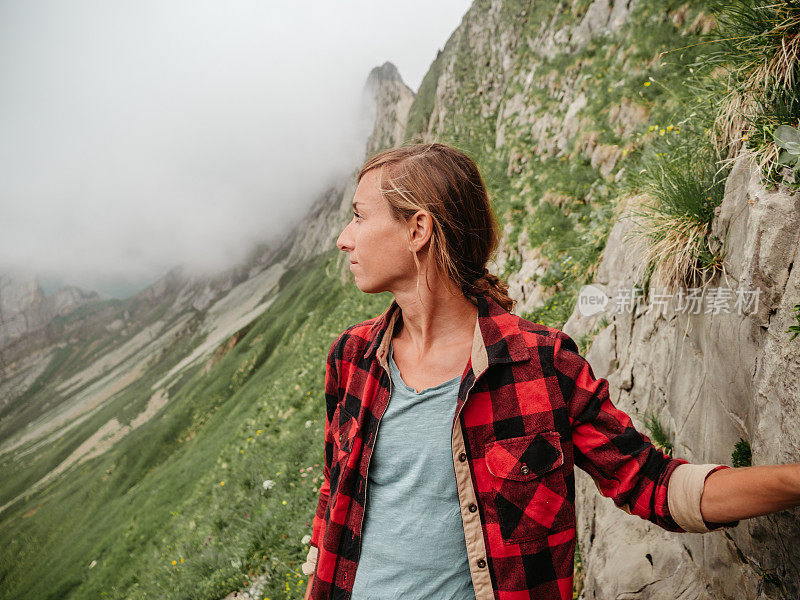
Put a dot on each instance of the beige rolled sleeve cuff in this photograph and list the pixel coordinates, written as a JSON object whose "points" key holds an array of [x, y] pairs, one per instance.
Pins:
{"points": [[311, 561], [684, 491]]}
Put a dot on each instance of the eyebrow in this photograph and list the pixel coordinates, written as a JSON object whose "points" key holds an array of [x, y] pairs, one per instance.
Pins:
{"points": [[355, 204]]}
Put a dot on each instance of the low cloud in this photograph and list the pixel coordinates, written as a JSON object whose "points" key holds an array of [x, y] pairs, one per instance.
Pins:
{"points": [[135, 136]]}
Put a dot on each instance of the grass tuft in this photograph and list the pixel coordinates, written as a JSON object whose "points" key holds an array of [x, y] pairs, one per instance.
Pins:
{"points": [[742, 455], [672, 216], [758, 66], [795, 329], [658, 434]]}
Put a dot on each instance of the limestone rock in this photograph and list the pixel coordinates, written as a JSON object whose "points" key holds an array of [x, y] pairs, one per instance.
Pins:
{"points": [[392, 98], [711, 379]]}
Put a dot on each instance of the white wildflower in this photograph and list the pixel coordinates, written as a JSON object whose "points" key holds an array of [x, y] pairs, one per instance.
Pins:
{"points": [[305, 540], [268, 484], [308, 424]]}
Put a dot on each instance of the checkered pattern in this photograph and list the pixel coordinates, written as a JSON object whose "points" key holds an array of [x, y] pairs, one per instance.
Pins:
{"points": [[531, 416]]}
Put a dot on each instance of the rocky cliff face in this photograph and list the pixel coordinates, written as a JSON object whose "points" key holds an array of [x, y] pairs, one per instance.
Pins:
{"points": [[391, 99], [712, 378], [387, 100]]}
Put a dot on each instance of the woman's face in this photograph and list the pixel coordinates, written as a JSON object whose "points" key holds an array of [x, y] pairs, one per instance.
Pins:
{"points": [[379, 247]]}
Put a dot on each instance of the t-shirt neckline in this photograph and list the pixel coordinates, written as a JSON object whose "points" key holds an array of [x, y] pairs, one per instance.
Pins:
{"points": [[399, 378]]}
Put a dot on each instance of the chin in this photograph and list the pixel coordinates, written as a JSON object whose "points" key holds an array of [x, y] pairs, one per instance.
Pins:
{"points": [[369, 288]]}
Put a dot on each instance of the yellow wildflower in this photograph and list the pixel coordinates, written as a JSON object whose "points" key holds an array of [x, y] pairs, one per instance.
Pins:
{"points": [[661, 132], [174, 562], [222, 483], [646, 83]]}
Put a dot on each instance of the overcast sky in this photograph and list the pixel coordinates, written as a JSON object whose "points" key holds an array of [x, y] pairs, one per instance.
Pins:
{"points": [[138, 135]]}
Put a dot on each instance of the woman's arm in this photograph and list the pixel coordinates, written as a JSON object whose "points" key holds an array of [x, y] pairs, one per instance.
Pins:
{"points": [[318, 526], [623, 463], [745, 492]]}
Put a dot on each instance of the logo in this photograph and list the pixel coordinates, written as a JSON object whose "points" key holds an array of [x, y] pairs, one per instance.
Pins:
{"points": [[591, 300]]}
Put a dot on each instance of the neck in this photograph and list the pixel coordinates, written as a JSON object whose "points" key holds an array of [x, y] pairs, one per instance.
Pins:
{"points": [[436, 319]]}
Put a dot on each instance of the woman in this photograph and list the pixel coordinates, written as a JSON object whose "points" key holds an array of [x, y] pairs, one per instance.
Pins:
{"points": [[468, 490]]}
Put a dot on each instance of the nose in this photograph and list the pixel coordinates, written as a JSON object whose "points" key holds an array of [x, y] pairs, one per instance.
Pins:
{"points": [[344, 242]]}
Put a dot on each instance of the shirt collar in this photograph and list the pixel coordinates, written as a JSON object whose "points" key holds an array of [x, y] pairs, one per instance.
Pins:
{"points": [[498, 338]]}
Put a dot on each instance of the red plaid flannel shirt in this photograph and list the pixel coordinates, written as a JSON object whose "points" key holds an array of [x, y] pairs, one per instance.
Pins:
{"points": [[529, 410]]}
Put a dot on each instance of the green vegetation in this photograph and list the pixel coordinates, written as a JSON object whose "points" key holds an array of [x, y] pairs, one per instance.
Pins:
{"points": [[788, 138], [579, 576], [585, 340], [420, 113], [657, 433], [795, 329], [759, 45], [680, 188], [741, 455]]}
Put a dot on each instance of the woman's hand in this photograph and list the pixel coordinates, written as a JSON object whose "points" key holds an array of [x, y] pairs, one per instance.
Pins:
{"points": [[745, 492]]}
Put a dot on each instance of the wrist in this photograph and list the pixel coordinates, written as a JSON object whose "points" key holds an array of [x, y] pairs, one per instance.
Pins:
{"points": [[793, 480]]}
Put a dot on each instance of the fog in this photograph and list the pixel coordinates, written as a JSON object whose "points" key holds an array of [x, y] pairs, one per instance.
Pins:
{"points": [[136, 136]]}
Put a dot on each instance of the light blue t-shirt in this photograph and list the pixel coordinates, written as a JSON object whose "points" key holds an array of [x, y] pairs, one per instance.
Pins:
{"points": [[412, 545]]}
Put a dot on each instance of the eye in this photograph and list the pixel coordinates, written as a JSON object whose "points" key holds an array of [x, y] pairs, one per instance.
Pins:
{"points": [[356, 215]]}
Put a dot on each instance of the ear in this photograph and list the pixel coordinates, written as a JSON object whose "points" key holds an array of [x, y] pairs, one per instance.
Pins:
{"points": [[420, 229]]}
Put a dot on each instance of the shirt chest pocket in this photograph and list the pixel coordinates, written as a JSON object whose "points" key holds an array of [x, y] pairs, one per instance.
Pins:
{"points": [[530, 492]]}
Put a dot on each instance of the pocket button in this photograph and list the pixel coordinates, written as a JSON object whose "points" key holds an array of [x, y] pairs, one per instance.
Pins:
{"points": [[525, 470]]}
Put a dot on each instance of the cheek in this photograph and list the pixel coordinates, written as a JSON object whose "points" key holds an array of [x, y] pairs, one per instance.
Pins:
{"points": [[381, 239]]}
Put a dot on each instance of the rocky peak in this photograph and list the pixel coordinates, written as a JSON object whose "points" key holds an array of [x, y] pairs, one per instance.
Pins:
{"points": [[24, 308], [390, 98]]}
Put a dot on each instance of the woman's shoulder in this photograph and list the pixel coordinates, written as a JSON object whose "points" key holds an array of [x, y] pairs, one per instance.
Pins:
{"points": [[538, 334], [354, 339], [538, 329]]}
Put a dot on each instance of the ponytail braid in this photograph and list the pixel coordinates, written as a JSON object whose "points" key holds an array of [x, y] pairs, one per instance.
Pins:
{"points": [[491, 285]]}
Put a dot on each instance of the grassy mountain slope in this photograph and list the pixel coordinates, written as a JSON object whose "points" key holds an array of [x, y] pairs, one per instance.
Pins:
{"points": [[189, 487]]}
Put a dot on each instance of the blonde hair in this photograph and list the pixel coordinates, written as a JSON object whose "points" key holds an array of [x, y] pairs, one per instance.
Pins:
{"points": [[447, 184]]}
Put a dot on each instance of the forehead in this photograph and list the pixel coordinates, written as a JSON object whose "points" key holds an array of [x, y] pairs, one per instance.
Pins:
{"points": [[367, 193]]}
